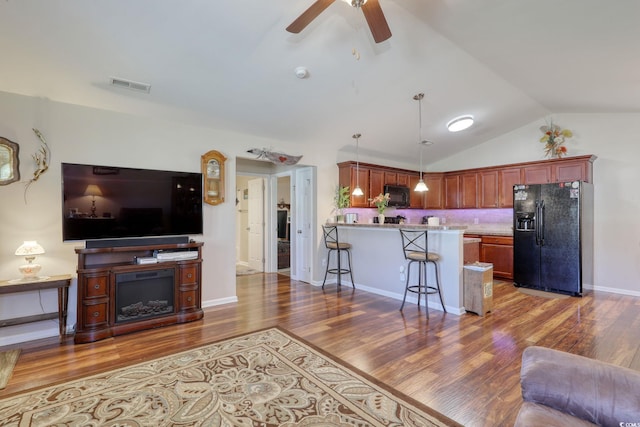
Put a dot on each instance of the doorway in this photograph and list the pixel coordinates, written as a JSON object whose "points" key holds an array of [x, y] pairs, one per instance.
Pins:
{"points": [[288, 218]]}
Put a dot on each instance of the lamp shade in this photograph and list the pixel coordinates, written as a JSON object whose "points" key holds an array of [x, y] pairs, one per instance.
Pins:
{"points": [[93, 190], [29, 248], [421, 186]]}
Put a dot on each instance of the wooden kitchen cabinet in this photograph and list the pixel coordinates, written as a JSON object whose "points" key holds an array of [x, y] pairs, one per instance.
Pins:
{"points": [[433, 198], [537, 174], [451, 191], [349, 175], [498, 250], [488, 189], [469, 187], [376, 183], [416, 198], [403, 179], [572, 170], [507, 178]]}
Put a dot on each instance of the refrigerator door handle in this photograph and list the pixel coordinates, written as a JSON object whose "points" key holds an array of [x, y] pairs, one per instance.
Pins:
{"points": [[537, 222], [541, 221]]}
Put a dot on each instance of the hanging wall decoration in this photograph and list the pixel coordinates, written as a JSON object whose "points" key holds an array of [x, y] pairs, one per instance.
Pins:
{"points": [[553, 139], [42, 158], [275, 157]]}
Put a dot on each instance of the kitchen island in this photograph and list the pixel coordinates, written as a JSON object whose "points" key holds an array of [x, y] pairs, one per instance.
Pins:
{"points": [[379, 265]]}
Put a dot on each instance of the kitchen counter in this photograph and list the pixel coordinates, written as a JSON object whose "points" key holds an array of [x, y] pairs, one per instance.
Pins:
{"points": [[404, 226], [508, 232], [379, 265]]}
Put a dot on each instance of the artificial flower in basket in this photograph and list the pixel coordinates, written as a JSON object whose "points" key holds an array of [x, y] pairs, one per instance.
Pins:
{"points": [[381, 201], [553, 140]]}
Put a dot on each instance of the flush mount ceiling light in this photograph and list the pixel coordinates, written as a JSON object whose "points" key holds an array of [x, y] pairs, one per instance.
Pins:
{"points": [[460, 123], [357, 191]]}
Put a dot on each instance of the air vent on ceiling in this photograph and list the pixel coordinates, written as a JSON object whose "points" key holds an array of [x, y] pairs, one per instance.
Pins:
{"points": [[129, 84]]}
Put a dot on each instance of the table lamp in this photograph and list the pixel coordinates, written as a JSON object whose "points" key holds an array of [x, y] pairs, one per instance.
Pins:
{"points": [[29, 249], [93, 191]]}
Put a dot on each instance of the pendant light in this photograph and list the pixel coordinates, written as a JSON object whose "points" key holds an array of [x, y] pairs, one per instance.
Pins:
{"points": [[420, 186], [357, 191]]}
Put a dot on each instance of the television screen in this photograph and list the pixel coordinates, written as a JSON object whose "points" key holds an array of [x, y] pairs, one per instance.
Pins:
{"points": [[106, 202]]}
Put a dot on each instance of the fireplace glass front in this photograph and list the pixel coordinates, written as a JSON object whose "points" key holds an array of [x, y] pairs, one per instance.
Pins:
{"points": [[142, 295]]}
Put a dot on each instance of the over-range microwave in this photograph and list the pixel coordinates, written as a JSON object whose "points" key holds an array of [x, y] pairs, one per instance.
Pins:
{"points": [[399, 196]]}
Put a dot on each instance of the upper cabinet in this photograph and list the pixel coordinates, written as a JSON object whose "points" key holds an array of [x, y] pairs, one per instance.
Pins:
{"points": [[433, 197], [490, 187], [213, 176], [451, 191], [507, 178]]}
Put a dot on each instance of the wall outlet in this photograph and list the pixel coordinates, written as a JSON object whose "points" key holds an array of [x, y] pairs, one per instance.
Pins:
{"points": [[475, 221], [324, 262], [443, 220], [402, 277]]}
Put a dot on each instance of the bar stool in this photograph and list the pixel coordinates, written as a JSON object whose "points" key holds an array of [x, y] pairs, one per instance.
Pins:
{"points": [[415, 248], [333, 244]]}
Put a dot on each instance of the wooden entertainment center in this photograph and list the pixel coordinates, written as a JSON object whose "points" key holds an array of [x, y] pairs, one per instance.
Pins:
{"points": [[102, 269]]}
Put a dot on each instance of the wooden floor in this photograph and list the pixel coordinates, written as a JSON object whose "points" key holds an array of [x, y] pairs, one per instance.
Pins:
{"points": [[466, 367]]}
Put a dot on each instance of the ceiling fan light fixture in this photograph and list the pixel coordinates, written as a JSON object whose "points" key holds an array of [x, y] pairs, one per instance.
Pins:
{"points": [[355, 3], [460, 123]]}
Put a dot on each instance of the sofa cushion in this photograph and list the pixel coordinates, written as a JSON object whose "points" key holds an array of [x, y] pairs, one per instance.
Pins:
{"points": [[589, 389], [535, 415]]}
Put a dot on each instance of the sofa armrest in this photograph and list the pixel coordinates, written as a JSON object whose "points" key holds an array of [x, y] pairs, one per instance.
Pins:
{"points": [[589, 389]]}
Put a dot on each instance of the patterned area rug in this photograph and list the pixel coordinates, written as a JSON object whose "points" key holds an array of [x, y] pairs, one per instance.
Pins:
{"points": [[265, 378]]}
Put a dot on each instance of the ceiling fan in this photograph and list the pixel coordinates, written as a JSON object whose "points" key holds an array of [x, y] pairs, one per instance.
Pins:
{"points": [[371, 9]]}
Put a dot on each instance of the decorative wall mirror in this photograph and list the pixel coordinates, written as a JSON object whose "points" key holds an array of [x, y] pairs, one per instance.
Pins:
{"points": [[213, 175], [9, 162]]}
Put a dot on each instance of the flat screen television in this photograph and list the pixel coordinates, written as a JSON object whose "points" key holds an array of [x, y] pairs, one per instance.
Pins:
{"points": [[108, 202]]}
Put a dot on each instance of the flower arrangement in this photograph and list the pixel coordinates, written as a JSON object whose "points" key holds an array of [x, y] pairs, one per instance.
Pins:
{"points": [[553, 139], [381, 201]]}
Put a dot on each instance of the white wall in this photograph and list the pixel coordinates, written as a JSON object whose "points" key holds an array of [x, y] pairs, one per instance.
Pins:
{"points": [[615, 139]]}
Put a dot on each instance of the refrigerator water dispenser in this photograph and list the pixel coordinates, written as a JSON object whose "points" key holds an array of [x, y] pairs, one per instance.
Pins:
{"points": [[525, 221]]}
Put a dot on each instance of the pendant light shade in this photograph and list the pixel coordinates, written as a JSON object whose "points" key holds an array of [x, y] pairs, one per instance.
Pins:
{"points": [[357, 191], [420, 186]]}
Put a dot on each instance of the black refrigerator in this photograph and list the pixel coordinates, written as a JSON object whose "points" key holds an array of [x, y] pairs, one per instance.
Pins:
{"points": [[553, 236]]}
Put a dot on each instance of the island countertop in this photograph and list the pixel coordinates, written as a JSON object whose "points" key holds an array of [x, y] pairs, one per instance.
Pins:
{"points": [[403, 226]]}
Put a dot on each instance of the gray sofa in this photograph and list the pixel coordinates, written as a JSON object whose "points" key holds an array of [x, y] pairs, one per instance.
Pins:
{"points": [[563, 389]]}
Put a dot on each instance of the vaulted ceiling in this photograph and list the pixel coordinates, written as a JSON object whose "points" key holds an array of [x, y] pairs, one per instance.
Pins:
{"points": [[230, 65]]}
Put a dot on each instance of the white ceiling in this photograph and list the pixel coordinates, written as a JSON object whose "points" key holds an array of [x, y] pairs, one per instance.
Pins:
{"points": [[230, 64]]}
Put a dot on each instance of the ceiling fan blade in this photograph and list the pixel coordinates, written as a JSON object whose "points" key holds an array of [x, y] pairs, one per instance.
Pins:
{"points": [[376, 20], [309, 15]]}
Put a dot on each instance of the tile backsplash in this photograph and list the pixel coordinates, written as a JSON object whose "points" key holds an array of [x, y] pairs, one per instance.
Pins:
{"points": [[473, 218]]}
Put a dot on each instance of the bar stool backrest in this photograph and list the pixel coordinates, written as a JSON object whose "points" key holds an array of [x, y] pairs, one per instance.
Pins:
{"points": [[331, 236], [414, 241]]}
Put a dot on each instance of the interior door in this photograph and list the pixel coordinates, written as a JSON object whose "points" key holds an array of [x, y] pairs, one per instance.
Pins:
{"points": [[303, 217], [256, 224]]}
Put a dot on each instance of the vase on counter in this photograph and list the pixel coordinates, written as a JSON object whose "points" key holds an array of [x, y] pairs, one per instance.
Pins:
{"points": [[381, 218]]}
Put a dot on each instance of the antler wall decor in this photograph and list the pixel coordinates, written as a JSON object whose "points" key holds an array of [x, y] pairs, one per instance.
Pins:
{"points": [[275, 157], [42, 158]]}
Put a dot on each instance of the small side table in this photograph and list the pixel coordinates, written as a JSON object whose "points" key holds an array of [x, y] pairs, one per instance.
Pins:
{"points": [[61, 282]]}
